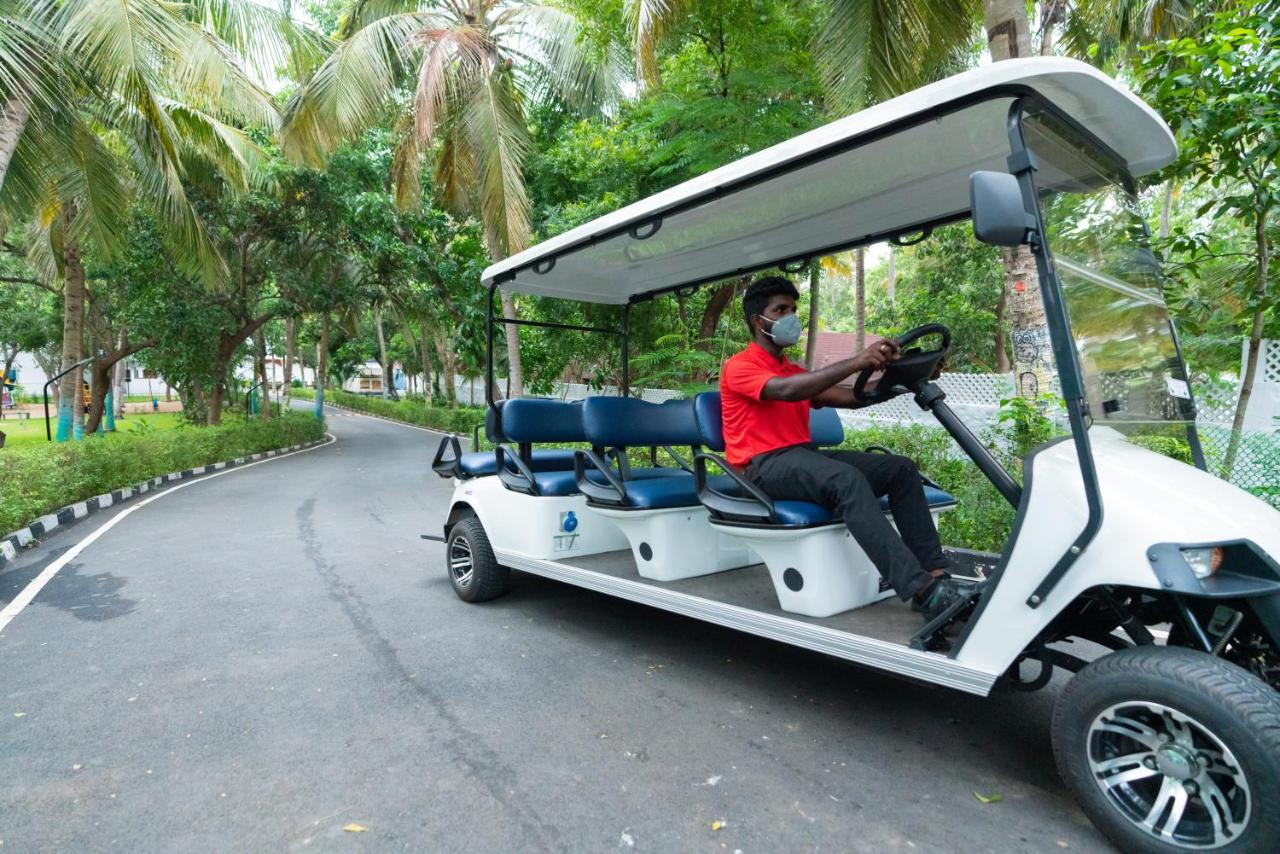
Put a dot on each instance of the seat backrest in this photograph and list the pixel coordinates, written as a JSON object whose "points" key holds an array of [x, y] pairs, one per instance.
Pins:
{"points": [[627, 422], [493, 422], [706, 411], [825, 427], [532, 419]]}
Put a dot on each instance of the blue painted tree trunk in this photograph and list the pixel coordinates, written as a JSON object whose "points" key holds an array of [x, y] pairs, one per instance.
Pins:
{"points": [[66, 418], [109, 416]]}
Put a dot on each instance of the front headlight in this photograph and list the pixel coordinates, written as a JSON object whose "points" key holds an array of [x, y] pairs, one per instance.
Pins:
{"points": [[1203, 561]]}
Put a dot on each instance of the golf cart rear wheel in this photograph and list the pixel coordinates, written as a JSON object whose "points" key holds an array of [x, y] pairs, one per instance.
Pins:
{"points": [[1170, 749], [474, 572]]}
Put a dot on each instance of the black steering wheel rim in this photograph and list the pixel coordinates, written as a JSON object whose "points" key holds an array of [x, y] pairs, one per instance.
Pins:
{"points": [[914, 366]]}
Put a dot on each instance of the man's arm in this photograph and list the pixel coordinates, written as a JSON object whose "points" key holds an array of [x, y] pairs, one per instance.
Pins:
{"points": [[811, 384]]}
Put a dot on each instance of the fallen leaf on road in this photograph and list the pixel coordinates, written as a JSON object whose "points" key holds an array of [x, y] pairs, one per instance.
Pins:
{"points": [[717, 825], [355, 828], [993, 798], [19, 714]]}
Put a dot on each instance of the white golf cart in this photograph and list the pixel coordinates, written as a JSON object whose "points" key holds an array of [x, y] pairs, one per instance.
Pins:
{"points": [[1168, 744]]}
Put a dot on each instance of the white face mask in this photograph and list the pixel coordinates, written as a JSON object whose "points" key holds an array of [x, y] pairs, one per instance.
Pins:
{"points": [[785, 331]]}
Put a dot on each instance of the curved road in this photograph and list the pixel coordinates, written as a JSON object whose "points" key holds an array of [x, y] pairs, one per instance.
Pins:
{"points": [[261, 659]]}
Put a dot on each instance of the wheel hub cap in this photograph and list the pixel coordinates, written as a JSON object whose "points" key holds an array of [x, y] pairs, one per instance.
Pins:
{"points": [[1170, 775], [1176, 762]]}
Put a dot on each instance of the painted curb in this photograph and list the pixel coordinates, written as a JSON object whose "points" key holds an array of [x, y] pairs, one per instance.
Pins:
{"points": [[29, 537]]}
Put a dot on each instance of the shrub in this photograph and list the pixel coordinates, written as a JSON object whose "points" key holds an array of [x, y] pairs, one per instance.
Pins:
{"points": [[39, 479], [410, 410]]}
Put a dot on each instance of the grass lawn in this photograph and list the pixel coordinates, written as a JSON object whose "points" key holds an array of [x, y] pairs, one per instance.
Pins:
{"points": [[31, 431]]}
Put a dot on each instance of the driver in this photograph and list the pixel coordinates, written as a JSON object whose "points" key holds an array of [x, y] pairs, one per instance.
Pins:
{"points": [[765, 399]]}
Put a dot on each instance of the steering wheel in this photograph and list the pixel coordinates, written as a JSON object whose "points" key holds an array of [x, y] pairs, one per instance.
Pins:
{"points": [[914, 367]]}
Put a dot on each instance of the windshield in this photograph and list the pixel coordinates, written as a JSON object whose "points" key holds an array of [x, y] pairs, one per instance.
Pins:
{"points": [[1110, 279]]}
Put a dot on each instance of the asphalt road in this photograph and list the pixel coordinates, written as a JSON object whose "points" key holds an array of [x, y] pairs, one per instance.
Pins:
{"points": [[261, 659]]}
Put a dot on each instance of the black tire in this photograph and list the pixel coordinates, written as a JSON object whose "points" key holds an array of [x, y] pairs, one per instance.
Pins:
{"points": [[1179, 728], [481, 579]]}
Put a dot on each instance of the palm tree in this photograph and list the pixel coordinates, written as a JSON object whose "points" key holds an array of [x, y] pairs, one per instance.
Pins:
{"points": [[130, 98], [468, 69]]}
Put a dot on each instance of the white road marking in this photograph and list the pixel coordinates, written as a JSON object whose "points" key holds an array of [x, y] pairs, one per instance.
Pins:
{"points": [[37, 584]]}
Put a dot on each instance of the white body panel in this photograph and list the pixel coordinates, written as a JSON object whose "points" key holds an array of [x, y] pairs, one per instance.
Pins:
{"points": [[677, 542], [816, 572], [1146, 499], [537, 526]]}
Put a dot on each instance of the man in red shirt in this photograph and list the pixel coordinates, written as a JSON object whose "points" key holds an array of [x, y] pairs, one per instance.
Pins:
{"points": [[765, 399]]}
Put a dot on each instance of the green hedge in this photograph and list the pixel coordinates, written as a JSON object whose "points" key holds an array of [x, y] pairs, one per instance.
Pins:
{"points": [[39, 479], [411, 410]]}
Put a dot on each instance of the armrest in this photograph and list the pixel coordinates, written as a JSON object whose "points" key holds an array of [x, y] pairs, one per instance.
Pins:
{"points": [[517, 476], [447, 466], [612, 491], [753, 506], [924, 478]]}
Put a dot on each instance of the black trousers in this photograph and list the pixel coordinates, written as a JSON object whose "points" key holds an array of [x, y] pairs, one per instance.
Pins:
{"points": [[848, 483]]}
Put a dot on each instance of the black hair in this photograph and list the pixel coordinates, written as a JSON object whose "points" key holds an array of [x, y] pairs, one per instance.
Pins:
{"points": [[756, 298]]}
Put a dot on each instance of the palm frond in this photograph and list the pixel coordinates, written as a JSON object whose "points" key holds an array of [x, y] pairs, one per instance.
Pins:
{"points": [[351, 89], [208, 74], [649, 21], [497, 134], [268, 38], [870, 50], [26, 61], [561, 63]]}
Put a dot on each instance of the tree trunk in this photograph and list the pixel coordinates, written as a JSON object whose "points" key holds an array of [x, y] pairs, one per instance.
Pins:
{"points": [[388, 388], [1001, 345], [1008, 29], [448, 367], [1032, 350], [13, 121], [1166, 210], [260, 366], [515, 367], [290, 354], [1009, 37], [711, 314], [1255, 347], [424, 344], [811, 343], [859, 299], [891, 276], [117, 384], [322, 364], [214, 417], [1050, 18], [70, 399], [195, 406]]}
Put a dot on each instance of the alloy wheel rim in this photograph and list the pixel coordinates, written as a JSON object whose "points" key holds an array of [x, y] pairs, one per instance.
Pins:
{"points": [[461, 563], [1169, 775]]}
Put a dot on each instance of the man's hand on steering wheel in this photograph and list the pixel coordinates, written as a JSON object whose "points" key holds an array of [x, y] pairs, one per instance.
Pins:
{"points": [[878, 355]]}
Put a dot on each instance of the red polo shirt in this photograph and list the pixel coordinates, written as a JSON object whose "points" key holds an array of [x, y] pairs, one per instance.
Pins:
{"points": [[753, 425]]}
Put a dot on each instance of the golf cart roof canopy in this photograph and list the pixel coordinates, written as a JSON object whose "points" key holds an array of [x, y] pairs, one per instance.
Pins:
{"points": [[888, 170]]}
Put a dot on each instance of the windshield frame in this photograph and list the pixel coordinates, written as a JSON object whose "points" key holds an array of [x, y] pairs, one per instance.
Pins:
{"points": [[1122, 180]]}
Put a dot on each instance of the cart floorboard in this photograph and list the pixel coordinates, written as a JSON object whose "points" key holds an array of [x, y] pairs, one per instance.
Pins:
{"points": [[876, 635]]}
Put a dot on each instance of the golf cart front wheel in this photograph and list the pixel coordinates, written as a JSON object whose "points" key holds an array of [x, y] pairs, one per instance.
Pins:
{"points": [[1170, 749], [474, 572]]}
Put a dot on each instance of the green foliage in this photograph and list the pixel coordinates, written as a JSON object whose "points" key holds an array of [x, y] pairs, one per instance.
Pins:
{"points": [[40, 479], [1025, 423], [948, 278], [410, 410]]}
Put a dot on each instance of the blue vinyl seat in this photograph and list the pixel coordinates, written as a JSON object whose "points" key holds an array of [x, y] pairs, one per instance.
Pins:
{"points": [[627, 422], [530, 421], [826, 430]]}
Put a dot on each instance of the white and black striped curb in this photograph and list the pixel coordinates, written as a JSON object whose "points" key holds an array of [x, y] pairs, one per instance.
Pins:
{"points": [[29, 537]]}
